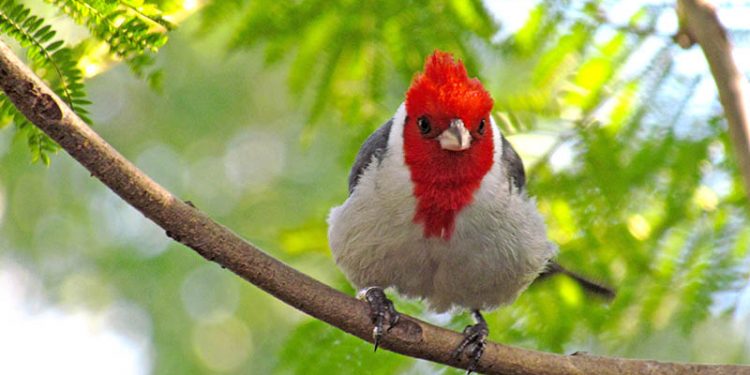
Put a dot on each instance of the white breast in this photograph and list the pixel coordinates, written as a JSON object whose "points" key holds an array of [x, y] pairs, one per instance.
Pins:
{"points": [[498, 247]]}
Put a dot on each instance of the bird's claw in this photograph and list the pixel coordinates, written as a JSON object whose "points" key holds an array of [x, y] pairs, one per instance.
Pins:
{"points": [[381, 311], [473, 344]]}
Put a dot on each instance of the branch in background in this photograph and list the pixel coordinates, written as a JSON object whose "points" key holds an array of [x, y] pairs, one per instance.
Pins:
{"points": [[700, 24], [214, 242]]}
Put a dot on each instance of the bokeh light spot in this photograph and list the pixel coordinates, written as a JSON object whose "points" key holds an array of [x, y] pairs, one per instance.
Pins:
{"points": [[639, 227], [253, 159], [86, 289], [705, 198], [210, 294], [222, 346], [2, 203]]}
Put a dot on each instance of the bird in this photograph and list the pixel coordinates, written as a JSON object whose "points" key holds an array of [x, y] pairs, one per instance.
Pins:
{"points": [[438, 209]]}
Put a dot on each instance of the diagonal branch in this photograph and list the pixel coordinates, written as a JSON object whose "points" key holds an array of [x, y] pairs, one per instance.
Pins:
{"points": [[700, 24], [214, 242]]}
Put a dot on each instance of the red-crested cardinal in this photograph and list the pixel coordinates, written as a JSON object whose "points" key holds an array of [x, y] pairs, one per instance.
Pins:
{"points": [[438, 210]]}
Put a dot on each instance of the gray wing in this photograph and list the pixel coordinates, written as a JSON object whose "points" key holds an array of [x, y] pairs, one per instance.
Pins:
{"points": [[517, 177], [374, 146], [513, 166]]}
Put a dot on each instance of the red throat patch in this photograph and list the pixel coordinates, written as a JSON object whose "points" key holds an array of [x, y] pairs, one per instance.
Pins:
{"points": [[445, 181]]}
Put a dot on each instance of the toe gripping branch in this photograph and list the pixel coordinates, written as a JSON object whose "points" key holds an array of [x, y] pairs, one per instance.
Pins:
{"points": [[474, 342], [381, 310]]}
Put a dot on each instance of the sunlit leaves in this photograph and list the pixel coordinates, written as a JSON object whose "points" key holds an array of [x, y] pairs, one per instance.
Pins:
{"points": [[527, 39], [631, 207], [55, 63], [130, 28], [346, 54], [133, 30], [624, 101]]}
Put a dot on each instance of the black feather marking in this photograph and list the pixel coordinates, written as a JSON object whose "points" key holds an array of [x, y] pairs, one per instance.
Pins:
{"points": [[513, 166], [374, 146], [590, 286]]}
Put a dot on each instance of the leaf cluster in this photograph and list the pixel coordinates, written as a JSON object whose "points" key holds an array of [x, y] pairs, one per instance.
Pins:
{"points": [[133, 31], [344, 52], [55, 63]]}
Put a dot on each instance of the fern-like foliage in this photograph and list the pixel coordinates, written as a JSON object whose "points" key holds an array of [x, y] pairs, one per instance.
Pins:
{"points": [[353, 47], [133, 31], [55, 63]]}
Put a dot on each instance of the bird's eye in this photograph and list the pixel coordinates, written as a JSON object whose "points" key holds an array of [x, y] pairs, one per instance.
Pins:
{"points": [[480, 129], [424, 125]]}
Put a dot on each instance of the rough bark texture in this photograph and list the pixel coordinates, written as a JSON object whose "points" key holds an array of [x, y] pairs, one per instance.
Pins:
{"points": [[216, 243], [700, 24]]}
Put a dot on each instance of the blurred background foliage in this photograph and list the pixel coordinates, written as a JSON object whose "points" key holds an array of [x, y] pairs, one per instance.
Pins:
{"points": [[253, 110]]}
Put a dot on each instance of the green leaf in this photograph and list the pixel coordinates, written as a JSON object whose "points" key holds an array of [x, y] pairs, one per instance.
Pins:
{"points": [[334, 352]]}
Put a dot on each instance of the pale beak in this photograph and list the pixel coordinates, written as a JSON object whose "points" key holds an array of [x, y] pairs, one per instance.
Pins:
{"points": [[455, 138]]}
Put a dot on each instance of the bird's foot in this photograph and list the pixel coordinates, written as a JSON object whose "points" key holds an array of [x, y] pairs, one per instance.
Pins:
{"points": [[381, 311], [474, 342]]}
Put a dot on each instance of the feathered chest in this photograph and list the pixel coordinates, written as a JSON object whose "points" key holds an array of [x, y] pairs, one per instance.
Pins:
{"points": [[439, 207], [444, 182], [442, 192]]}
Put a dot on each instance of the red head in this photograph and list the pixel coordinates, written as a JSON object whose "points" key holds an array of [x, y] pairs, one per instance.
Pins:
{"points": [[448, 142]]}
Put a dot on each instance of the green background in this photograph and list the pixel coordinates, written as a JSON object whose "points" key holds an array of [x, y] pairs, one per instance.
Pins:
{"points": [[259, 113]]}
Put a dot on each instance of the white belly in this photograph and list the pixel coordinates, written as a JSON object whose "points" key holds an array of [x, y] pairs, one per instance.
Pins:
{"points": [[498, 247]]}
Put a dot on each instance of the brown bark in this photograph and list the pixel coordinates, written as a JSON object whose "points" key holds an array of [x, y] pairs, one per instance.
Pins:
{"points": [[216, 243], [700, 24]]}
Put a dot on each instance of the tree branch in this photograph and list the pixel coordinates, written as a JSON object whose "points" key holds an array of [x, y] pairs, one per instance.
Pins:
{"points": [[700, 24], [214, 242]]}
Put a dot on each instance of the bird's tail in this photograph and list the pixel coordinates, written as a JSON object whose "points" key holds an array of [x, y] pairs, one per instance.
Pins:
{"points": [[592, 287]]}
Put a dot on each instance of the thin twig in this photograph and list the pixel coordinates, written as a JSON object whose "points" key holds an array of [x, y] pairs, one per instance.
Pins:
{"points": [[700, 24]]}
